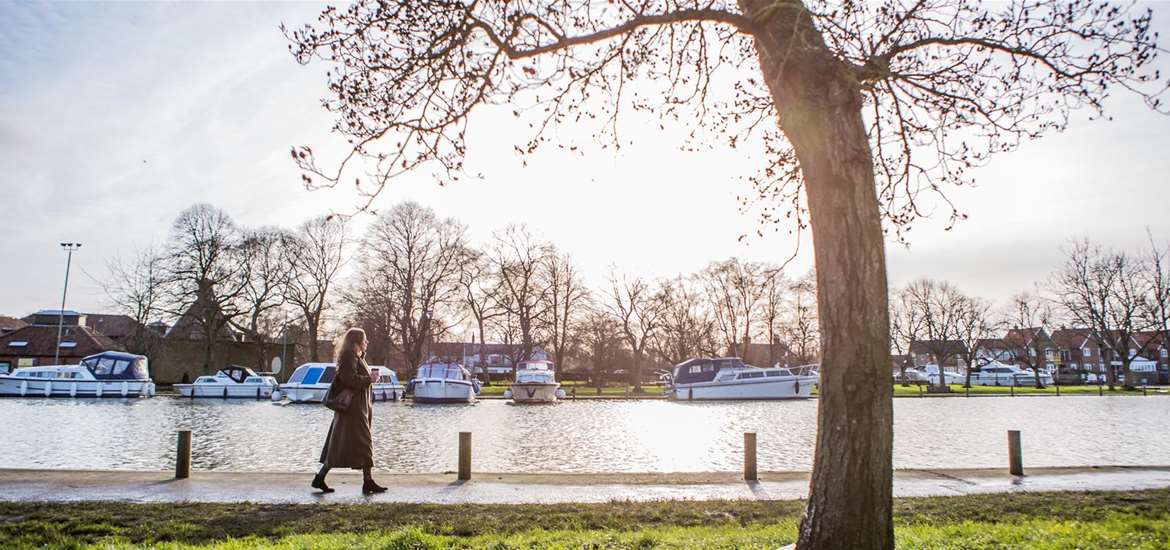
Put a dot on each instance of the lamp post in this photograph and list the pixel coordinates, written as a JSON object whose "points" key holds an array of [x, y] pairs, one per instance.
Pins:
{"points": [[69, 248]]}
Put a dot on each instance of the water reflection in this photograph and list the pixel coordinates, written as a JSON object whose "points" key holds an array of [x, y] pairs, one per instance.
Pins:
{"points": [[581, 436]]}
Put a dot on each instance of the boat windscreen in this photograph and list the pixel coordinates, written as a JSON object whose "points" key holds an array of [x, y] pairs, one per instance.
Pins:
{"points": [[328, 376], [313, 375]]}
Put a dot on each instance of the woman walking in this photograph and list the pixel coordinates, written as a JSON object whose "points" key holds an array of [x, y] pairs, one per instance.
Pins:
{"points": [[350, 443]]}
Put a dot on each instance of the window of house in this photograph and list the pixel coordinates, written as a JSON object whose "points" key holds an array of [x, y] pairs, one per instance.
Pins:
{"points": [[1088, 352], [5, 367], [1165, 353], [68, 344], [24, 362], [1031, 352], [18, 344]]}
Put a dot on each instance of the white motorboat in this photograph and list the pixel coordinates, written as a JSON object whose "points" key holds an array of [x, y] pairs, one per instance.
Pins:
{"points": [[106, 374], [443, 383], [729, 378], [535, 383], [229, 382], [311, 381], [1003, 374]]}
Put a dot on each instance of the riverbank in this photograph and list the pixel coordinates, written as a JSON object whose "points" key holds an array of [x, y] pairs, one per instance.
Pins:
{"points": [[499, 488], [1115, 520]]}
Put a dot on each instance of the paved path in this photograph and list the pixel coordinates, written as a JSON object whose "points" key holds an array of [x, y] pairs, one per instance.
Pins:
{"points": [[56, 486]]}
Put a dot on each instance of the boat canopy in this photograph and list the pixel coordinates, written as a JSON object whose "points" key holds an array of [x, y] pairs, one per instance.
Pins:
{"points": [[237, 373], [704, 369], [449, 371], [385, 375], [535, 364], [314, 373], [535, 375], [115, 365]]}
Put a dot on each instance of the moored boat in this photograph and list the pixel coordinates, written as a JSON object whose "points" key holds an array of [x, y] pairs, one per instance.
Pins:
{"points": [[535, 383], [728, 378], [106, 374], [230, 382], [443, 383], [311, 381]]}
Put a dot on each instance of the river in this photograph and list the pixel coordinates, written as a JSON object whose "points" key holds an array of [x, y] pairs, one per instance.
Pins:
{"points": [[575, 436]]}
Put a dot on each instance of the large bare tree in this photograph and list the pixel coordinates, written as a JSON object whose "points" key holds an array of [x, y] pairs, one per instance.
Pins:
{"points": [[638, 307], [134, 287], [939, 307], [204, 275], [266, 266], [418, 257], [518, 258], [564, 295], [480, 300], [736, 289], [1105, 291], [856, 106], [320, 244], [799, 325], [686, 326]]}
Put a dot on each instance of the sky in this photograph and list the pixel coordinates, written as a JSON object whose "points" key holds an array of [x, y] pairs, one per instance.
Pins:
{"points": [[115, 117]]}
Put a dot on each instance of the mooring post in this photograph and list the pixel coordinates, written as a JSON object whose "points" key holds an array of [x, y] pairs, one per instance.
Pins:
{"points": [[464, 456], [183, 459], [1015, 454], [749, 456]]}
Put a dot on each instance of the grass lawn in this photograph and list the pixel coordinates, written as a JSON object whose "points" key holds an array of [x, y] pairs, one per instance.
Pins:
{"points": [[1115, 520]]}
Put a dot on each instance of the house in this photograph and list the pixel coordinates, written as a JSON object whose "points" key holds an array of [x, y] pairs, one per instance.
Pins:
{"points": [[1079, 350], [929, 352], [1152, 345], [989, 350], [9, 324], [36, 343], [1031, 347]]}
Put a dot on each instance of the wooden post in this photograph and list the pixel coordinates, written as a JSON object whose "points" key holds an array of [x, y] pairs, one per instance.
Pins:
{"points": [[464, 456], [749, 456], [1015, 454], [183, 459]]}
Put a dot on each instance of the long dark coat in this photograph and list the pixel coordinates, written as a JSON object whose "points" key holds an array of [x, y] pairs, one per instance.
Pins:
{"points": [[350, 443]]}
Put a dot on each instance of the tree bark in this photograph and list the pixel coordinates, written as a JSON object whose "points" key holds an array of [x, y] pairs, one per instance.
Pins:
{"points": [[819, 106]]}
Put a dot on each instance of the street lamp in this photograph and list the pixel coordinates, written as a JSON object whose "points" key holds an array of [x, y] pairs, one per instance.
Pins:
{"points": [[69, 248]]}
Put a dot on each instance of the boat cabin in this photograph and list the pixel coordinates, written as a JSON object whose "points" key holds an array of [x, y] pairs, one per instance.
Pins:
{"points": [[115, 365], [234, 374], [314, 373], [447, 371], [385, 375], [704, 369], [535, 372]]}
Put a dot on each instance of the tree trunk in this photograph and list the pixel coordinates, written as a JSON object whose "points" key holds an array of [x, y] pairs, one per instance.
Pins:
{"points": [[313, 321], [487, 375], [637, 371], [819, 106]]}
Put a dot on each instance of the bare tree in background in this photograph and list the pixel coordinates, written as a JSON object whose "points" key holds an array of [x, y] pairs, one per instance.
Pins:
{"points": [[517, 259], [856, 107], [1105, 290], [420, 256], [1157, 279], [799, 326], [602, 339], [564, 296], [905, 328], [775, 297], [939, 305], [134, 287], [638, 308], [319, 245], [480, 300], [686, 325], [204, 275], [975, 325], [1027, 342], [735, 289], [266, 269]]}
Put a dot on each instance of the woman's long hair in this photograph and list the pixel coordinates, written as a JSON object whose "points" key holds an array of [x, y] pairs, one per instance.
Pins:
{"points": [[347, 347]]}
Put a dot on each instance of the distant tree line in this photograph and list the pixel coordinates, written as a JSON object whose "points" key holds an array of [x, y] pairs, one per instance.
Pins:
{"points": [[1117, 297], [414, 278]]}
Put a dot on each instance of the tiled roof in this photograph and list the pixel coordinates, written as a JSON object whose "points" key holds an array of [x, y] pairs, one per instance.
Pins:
{"points": [[930, 346], [115, 326], [41, 341], [9, 324]]}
